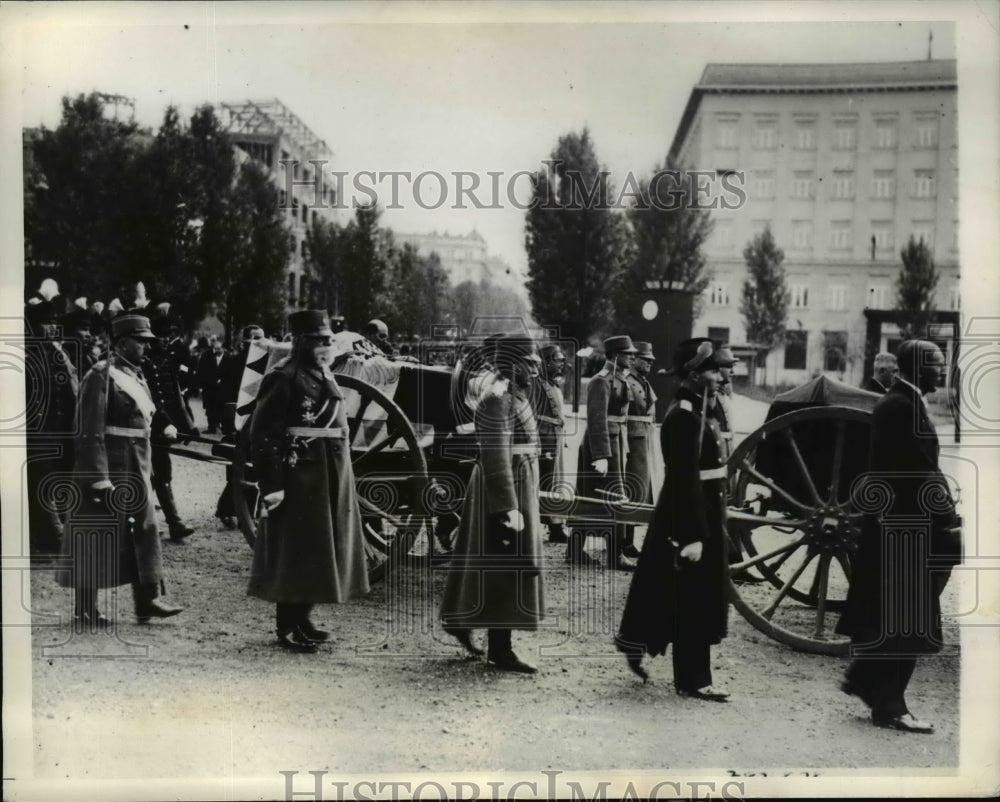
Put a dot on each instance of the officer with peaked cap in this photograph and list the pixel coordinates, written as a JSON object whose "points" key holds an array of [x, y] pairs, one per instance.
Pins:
{"points": [[643, 467], [494, 578], [601, 465], [310, 549], [117, 414], [680, 592], [547, 402]]}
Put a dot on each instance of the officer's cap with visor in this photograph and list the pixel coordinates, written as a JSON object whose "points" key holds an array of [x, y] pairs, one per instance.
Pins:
{"points": [[134, 326], [644, 351], [621, 344], [696, 354], [309, 323], [515, 347]]}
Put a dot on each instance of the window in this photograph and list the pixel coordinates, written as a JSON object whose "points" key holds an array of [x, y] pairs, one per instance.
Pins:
{"points": [[923, 184], [835, 351], [719, 294], [291, 288], [765, 134], [282, 198], [926, 134], [302, 291], [303, 250], [763, 184], [885, 133], [954, 235], [878, 296], [805, 134], [315, 217], [885, 238], [802, 184], [723, 234], [800, 295], [840, 234], [291, 243], [795, 349], [843, 184], [924, 230], [725, 132], [845, 134], [802, 233], [884, 184], [954, 300], [718, 335], [836, 297], [305, 212]]}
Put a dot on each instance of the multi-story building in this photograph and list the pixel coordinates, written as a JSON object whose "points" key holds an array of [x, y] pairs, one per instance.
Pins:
{"points": [[267, 131], [844, 162], [463, 256]]}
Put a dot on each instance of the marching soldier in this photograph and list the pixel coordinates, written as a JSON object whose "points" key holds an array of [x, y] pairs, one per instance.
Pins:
{"points": [[601, 463], [680, 592], [113, 467], [311, 548], [642, 467], [547, 400], [494, 579]]}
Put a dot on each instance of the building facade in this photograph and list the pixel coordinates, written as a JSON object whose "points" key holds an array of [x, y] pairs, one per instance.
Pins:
{"points": [[463, 256], [844, 162], [298, 162]]}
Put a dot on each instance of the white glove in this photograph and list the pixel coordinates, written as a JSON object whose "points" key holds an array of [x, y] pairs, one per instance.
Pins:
{"points": [[601, 466], [170, 432], [692, 551], [514, 520], [272, 500]]}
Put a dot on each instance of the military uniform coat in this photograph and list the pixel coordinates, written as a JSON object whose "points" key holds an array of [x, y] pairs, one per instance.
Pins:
{"points": [[121, 545], [495, 579], [873, 385], [606, 436], [673, 599], [642, 466], [547, 402], [310, 549], [894, 608]]}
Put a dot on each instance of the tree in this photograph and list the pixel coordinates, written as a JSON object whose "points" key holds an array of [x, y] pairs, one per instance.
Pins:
{"points": [[915, 287], [326, 251], [576, 245], [366, 267], [668, 233], [764, 303]]}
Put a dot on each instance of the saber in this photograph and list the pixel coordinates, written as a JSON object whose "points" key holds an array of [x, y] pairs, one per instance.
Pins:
{"points": [[620, 500]]}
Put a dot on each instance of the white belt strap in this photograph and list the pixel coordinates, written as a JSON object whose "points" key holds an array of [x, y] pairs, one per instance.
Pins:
{"points": [[617, 418], [334, 432], [712, 473], [465, 428], [642, 418], [125, 431], [524, 450], [553, 421]]}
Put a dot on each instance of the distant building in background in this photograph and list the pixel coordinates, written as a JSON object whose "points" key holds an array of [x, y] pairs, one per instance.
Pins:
{"points": [[268, 132], [463, 257], [845, 162]]}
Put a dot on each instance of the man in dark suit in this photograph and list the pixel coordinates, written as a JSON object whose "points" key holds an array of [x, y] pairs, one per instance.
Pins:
{"points": [[211, 376], [909, 545], [886, 370]]}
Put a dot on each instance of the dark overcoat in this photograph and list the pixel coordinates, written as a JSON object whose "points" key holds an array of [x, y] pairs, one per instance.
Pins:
{"points": [[642, 466], [606, 436], [909, 540], [494, 578], [310, 548], [114, 541], [673, 599], [873, 385]]}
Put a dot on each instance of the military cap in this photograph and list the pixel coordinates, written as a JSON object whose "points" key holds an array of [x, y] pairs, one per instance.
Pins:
{"points": [[549, 348], [644, 351], [135, 326], [621, 344], [38, 311], [725, 357], [518, 346], [308, 322], [79, 318], [698, 353]]}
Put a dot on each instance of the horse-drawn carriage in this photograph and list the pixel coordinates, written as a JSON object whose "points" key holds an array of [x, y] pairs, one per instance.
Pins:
{"points": [[792, 512]]}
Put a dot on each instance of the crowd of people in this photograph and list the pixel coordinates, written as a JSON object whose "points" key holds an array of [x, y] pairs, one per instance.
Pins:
{"points": [[115, 415]]}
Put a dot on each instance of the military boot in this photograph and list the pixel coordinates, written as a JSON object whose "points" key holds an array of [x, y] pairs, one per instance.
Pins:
{"points": [[165, 494], [148, 603], [575, 554]]}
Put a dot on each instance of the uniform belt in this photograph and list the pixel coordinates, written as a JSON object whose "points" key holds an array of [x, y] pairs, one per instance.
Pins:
{"points": [[553, 421], [617, 418], [334, 432], [712, 473], [524, 450], [125, 431], [465, 428], [727, 435], [643, 418]]}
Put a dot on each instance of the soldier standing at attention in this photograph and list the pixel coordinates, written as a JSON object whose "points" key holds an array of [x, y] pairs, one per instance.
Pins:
{"points": [[310, 549], [601, 465], [642, 467], [547, 400], [680, 592]]}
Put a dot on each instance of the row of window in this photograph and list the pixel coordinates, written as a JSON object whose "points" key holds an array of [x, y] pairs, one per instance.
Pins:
{"points": [[844, 135], [841, 235], [879, 295], [803, 184], [797, 344]]}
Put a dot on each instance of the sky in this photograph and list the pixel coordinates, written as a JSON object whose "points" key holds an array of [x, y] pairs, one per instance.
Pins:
{"points": [[463, 95]]}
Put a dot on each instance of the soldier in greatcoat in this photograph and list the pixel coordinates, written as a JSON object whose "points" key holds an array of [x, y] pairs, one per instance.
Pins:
{"points": [[643, 467], [310, 549], [911, 539], [113, 469], [547, 402], [680, 591], [494, 578], [601, 463]]}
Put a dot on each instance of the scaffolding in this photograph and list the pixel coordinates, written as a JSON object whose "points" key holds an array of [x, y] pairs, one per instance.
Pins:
{"points": [[263, 119]]}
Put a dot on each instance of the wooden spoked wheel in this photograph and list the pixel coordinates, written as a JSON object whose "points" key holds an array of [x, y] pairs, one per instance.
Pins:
{"points": [[390, 473], [793, 524]]}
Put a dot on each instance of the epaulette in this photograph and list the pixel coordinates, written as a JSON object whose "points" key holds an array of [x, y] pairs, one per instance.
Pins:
{"points": [[685, 405], [603, 372]]}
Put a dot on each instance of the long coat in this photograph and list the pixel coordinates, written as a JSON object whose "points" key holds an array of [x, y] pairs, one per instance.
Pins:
{"points": [[494, 579], [606, 436], [547, 403], [642, 466], [672, 599], [893, 604], [110, 547], [310, 548]]}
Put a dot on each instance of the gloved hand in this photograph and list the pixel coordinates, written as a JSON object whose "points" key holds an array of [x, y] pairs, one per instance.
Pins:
{"points": [[692, 551], [514, 520], [101, 496], [272, 500], [170, 432], [601, 466]]}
